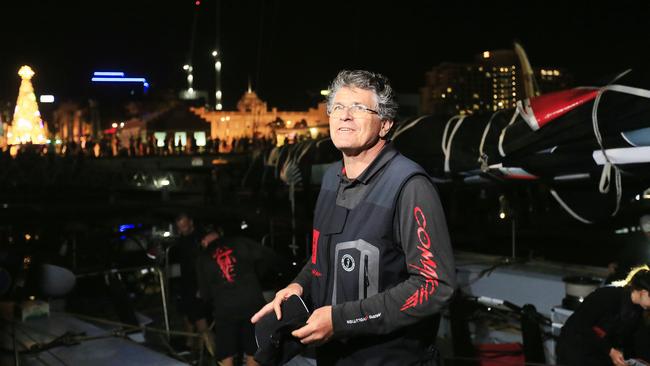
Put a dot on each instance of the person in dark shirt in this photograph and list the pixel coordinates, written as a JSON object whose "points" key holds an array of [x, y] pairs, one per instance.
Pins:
{"points": [[602, 330], [194, 309], [228, 278]]}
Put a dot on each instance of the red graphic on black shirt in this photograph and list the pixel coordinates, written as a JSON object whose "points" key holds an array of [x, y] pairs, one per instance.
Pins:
{"points": [[226, 261], [426, 267]]}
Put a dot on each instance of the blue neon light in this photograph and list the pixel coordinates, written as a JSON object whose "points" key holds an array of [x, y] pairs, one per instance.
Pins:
{"points": [[108, 73], [126, 227], [120, 80]]}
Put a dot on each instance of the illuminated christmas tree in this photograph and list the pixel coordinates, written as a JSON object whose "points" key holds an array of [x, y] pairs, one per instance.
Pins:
{"points": [[27, 125]]}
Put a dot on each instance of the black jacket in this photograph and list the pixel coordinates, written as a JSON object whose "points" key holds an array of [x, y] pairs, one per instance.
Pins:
{"points": [[606, 319]]}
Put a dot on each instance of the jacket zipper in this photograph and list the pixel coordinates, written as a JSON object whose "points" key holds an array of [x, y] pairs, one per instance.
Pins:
{"points": [[366, 280], [328, 278]]}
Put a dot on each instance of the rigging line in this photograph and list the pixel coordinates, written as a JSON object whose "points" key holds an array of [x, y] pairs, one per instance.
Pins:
{"points": [[36, 355], [218, 26], [15, 341], [193, 35], [568, 209], [218, 87], [260, 42], [171, 350], [31, 328], [274, 14], [134, 327]]}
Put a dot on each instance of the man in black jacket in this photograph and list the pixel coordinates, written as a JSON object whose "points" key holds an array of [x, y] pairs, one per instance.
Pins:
{"points": [[381, 267], [227, 272]]}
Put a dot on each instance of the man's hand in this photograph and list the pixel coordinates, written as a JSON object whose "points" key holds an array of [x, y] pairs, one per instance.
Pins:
{"points": [[617, 357], [209, 238], [319, 327], [274, 305]]}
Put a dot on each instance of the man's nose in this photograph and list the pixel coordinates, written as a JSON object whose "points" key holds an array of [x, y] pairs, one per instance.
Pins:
{"points": [[347, 114]]}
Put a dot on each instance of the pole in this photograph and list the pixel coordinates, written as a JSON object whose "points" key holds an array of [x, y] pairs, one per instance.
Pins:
{"points": [[163, 297], [217, 60], [513, 234]]}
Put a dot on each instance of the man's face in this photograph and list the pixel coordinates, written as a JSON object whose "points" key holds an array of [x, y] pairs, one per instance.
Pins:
{"points": [[353, 133], [185, 226]]}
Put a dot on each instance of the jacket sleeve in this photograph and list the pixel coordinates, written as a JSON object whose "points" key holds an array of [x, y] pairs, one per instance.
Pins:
{"points": [[421, 230]]}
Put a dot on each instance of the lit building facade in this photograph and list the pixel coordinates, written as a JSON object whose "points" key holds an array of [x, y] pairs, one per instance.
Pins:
{"points": [[70, 122], [254, 119], [494, 81]]}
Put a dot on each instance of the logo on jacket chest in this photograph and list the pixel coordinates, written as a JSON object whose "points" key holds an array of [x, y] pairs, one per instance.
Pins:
{"points": [[347, 262]]}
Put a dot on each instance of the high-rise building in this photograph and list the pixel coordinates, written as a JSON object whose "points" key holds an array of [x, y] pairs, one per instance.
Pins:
{"points": [[495, 80]]}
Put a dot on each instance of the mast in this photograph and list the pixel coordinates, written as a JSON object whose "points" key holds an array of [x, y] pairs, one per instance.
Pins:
{"points": [[531, 88]]}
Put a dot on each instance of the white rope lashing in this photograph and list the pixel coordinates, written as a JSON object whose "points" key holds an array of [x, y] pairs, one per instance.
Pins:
{"points": [[482, 157], [502, 136], [446, 141], [605, 177]]}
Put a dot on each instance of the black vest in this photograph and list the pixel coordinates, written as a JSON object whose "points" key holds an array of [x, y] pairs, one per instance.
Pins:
{"points": [[354, 253]]}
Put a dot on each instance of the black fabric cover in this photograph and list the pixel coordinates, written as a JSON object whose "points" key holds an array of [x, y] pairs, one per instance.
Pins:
{"points": [[276, 345]]}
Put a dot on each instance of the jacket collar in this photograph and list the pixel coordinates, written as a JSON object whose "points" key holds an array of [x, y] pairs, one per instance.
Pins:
{"points": [[385, 155]]}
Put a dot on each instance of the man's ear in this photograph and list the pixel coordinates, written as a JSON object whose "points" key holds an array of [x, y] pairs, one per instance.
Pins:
{"points": [[386, 125]]}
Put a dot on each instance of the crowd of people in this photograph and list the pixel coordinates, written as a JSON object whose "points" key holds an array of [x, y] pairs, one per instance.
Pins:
{"points": [[113, 146]]}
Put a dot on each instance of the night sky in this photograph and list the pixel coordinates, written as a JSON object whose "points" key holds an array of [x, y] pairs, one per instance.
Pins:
{"points": [[292, 49]]}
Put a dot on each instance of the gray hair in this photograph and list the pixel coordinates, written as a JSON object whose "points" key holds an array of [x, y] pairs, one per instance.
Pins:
{"points": [[378, 83]]}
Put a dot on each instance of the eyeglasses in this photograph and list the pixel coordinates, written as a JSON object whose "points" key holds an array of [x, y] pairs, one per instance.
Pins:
{"points": [[356, 110]]}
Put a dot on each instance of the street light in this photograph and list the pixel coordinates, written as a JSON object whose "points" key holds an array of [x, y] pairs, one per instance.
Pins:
{"points": [[217, 87], [189, 93]]}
